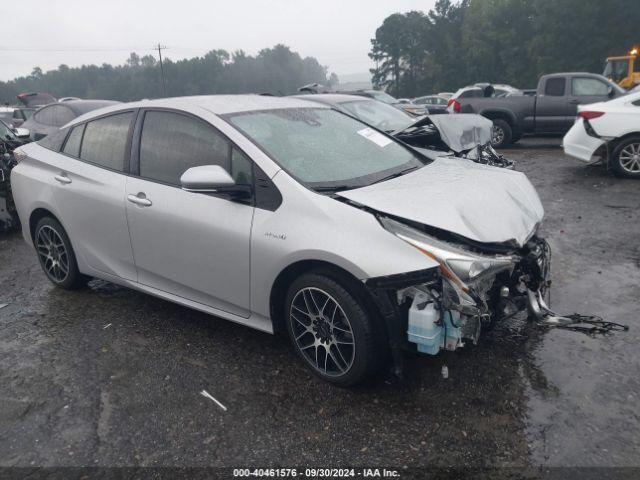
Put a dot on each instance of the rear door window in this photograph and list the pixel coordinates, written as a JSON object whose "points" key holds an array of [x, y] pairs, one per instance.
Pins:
{"points": [[555, 87], [171, 143], [105, 140]]}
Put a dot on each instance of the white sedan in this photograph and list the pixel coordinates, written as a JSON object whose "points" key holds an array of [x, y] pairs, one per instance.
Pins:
{"points": [[609, 132]]}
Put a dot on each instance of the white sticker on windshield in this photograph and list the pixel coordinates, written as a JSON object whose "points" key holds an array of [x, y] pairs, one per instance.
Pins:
{"points": [[375, 137]]}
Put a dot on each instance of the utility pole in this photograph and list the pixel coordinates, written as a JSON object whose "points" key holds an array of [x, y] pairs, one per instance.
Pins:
{"points": [[164, 85]]}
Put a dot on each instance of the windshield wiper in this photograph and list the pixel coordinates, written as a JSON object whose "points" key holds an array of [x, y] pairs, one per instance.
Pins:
{"points": [[334, 188], [395, 175]]}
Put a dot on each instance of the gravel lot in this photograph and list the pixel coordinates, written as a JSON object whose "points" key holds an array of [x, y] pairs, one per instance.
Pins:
{"points": [[75, 392]]}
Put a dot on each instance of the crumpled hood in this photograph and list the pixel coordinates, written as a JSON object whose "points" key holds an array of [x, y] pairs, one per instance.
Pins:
{"points": [[460, 132], [481, 203]]}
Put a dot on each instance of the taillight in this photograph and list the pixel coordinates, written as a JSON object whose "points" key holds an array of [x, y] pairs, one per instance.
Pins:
{"points": [[590, 115], [456, 105]]}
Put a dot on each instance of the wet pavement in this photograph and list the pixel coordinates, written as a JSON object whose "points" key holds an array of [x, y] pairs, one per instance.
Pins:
{"points": [[111, 377]]}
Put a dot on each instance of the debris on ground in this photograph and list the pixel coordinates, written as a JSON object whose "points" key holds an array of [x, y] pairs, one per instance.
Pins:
{"points": [[206, 394]]}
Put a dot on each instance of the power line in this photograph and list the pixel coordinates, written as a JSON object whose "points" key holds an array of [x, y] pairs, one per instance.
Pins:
{"points": [[72, 49]]}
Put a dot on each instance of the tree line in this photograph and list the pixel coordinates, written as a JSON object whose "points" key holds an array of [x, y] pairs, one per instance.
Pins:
{"points": [[276, 70], [462, 42]]}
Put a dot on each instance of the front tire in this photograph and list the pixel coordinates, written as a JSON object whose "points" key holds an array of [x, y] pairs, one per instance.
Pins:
{"points": [[501, 133], [56, 255], [331, 330], [625, 160]]}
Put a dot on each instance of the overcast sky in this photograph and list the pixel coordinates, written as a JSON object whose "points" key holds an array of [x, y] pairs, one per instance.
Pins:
{"points": [[47, 33]]}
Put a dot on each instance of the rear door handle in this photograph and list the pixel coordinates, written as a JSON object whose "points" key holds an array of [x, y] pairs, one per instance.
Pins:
{"points": [[140, 199], [62, 178], [574, 102]]}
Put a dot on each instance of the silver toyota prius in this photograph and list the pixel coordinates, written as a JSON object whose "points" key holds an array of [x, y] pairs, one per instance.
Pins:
{"points": [[285, 214]]}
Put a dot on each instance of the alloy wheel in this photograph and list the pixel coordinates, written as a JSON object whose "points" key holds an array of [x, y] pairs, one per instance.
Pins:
{"points": [[53, 253], [497, 135], [630, 158], [322, 332]]}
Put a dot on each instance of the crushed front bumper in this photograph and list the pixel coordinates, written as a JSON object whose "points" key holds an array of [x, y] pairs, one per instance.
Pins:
{"points": [[423, 312]]}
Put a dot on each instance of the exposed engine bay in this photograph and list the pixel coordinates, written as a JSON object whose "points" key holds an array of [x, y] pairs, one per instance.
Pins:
{"points": [[8, 215], [463, 136], [474, 287]]}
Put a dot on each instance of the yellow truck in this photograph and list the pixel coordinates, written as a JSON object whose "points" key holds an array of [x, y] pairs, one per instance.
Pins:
{"points": [[624, 70]]}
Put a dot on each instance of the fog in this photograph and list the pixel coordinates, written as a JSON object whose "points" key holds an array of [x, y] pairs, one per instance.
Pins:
{"points": [[74, 32]]}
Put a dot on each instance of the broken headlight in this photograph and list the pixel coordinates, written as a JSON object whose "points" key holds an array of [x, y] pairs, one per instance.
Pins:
{"points": [[463, 269]]}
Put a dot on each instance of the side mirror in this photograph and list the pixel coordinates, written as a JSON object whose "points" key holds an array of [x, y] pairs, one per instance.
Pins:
{"points": [[212, 179], [22, 133], [611, 92]]}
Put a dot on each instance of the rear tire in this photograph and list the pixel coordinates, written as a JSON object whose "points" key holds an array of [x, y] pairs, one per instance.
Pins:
{"points": [[625, 160], [331, 330], [56, 255], [501, 134]]}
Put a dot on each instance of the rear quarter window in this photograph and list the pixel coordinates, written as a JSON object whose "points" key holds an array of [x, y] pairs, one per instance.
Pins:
{"points": [[555, 87], [72, 145], [54, 140]]}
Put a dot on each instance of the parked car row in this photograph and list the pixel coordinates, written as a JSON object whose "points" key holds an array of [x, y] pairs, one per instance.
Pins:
{"points": [[41, 113], [51, 117], [406, 105], [552, 110]]}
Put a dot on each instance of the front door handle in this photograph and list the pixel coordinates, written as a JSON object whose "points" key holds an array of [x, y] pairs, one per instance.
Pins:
{"points": [[140, 199], [574, 102], [62, 178]]}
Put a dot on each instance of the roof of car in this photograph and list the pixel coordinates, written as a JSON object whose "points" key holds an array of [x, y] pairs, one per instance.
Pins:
{"points": [[84, 106], [333, 98], [216, 104]]}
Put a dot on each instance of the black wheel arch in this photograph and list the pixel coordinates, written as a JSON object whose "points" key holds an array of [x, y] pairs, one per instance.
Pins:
{"points": [[37, 215], [286, 277], [614, 143]]}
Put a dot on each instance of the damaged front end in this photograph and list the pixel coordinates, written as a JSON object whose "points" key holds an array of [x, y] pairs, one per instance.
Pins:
{"points": [[463, 136], [474, 287], [8, 215]]}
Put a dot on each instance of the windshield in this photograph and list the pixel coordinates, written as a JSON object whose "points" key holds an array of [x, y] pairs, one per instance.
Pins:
{"points": [[383, 97], [616, 70], [380, 115], [325, 149]]}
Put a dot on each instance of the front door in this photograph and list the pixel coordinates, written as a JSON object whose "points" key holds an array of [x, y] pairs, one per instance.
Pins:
{"points": [[193, 245]]}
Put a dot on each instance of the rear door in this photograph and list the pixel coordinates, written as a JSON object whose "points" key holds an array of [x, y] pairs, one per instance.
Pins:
{"points": [[552, 107], [90, 193], [193, 245]]}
